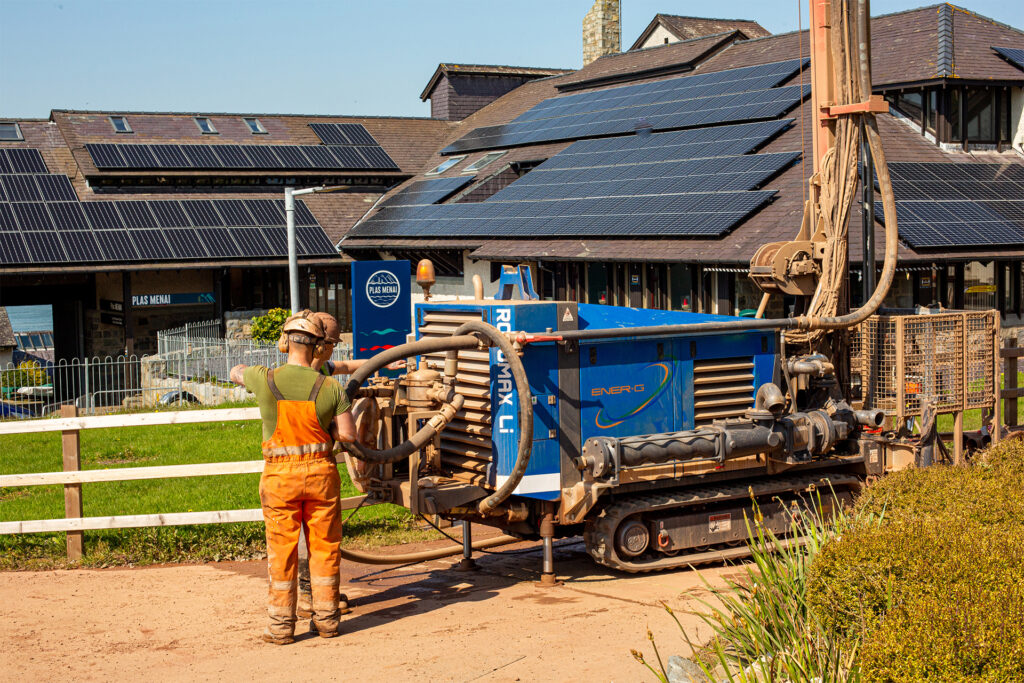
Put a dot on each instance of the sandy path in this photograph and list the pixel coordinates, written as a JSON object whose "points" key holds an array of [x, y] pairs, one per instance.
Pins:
{"points": [[416, 623]]}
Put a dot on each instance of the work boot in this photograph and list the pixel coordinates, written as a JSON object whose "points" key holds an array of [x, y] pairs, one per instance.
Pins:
{"points": [[304, 605], [326, 633], [269, 637]]}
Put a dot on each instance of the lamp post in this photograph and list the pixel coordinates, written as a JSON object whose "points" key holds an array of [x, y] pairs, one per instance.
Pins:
{"points": [[293, 255]]}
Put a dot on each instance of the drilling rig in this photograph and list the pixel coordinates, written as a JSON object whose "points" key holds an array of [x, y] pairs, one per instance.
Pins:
{"points": [[653, 433]]}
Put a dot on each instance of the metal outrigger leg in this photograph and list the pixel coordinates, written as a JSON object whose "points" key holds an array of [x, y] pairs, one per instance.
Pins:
{"points": [[467, 563], [547, 535]]}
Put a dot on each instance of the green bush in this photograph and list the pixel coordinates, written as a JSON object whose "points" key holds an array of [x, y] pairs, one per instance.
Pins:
{"points": [[267, 328], [28, 374], [935, 591]]}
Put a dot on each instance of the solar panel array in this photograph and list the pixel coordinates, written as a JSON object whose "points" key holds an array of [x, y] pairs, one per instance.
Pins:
{"points": [[430, 191], [628, 189], [1013, 54], [958, 205], [42, 221], [239, 157], [355, 137], [744, 94]]}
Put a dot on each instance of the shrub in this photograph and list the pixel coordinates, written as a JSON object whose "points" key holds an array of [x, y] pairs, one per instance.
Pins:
{"points": [[936, 590], [267, 328], [28, 374]]}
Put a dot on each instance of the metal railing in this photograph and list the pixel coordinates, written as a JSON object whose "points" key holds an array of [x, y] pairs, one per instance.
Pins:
{"points": [[189, 369]]}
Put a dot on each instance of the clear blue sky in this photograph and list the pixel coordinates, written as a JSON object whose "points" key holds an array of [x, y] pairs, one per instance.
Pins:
{"points": [[326, 57]]}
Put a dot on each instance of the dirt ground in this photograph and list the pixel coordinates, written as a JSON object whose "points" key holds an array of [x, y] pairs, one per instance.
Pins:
{"points": [[422, 622]]}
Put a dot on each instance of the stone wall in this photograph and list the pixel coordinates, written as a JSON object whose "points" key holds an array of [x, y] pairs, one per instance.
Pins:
{"points": [[601, 30]]}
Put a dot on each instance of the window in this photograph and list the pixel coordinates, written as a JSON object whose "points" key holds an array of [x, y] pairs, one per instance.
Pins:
{"points": [[483, 161], [933, 108], [205, 125], [954, 115], [445, 165], [911, 104], [120, 124], [979, 114], [9, 130], [255, 127]]}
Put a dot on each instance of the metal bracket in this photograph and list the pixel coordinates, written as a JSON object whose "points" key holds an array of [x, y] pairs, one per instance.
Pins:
{"points": [[875, 104]]}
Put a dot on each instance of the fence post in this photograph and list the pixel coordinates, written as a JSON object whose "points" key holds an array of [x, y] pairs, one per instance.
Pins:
{"points": [[1010, 385], [70, 448]]}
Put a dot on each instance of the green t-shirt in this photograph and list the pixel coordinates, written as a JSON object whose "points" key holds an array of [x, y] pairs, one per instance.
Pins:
{"points": [[294, 382]]}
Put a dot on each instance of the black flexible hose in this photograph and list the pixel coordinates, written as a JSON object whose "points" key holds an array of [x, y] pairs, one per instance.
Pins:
{"points": [[525, 408]]}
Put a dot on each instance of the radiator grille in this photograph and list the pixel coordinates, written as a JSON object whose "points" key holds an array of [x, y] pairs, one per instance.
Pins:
{"points": [[466, 441], [723, 387]]}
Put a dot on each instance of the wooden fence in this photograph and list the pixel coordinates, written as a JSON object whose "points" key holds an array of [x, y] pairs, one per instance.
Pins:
{"points": [[1011, 391], [72, 477]]}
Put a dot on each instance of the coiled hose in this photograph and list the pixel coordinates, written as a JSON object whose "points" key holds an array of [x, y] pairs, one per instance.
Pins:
{"points": [[525, 447]]}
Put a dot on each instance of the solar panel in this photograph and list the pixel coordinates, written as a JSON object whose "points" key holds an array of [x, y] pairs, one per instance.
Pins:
{"points": [[264, 157], [431, 191], [267, 212], [103, 215], [233, 211], [105, 155], [342, 134], [33, 216], [321, 157], [251, 242], [80, 245], [21, 188], [277, 238], [116, 245], [749, 93], [201, 156], [218, 242], [56, 188], [170, 156], [313, 242], [353, 146], [136, 215], [169, 214], [68, 216], [25, 160], [376, 158], [201, 212], [941, 205], [1014, 55], [44, 247], [8, 223], [151, 244], [231, 156], [303, 216], [348, 157], [12, 248], [185, 243], [138, 156], [291, 156]]}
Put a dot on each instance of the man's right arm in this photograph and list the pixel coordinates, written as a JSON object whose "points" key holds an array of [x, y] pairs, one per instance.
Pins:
{"points": [[238, 374], [343, 427]]}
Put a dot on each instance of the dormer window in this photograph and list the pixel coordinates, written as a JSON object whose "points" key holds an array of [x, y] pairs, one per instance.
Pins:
{"points": [[9, 130], [445, 165], [205, 125], [255, 127], [120, 124]]}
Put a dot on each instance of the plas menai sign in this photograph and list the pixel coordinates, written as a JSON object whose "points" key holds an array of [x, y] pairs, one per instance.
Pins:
{"points": [[173, 299], [381, 307]]}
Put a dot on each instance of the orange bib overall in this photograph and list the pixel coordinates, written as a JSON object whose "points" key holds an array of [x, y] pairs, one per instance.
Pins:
{"points": [[300, 485]]}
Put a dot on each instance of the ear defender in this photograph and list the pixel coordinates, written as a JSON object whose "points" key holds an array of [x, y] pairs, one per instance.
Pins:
{"points": [[319, 349], [282, 343]]}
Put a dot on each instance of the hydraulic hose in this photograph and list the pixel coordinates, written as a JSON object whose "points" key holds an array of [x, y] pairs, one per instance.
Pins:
{"points": [[435, 424], [408, 558], [525, 408]]}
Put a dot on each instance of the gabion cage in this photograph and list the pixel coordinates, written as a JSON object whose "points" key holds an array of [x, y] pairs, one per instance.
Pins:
{"points": [[903, 362]]}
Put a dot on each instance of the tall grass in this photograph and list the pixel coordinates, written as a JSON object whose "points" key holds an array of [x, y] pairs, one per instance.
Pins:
{"points": [[763, 628]]}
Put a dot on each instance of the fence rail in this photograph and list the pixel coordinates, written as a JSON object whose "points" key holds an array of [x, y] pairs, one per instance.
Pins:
{"points": [[73, 477]]}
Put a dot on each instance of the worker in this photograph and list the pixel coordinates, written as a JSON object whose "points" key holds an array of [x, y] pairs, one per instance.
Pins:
{"points": [[303, 413]]}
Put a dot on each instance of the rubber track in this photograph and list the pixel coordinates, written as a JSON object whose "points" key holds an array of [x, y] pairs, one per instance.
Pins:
{"points": [[599, 533]]}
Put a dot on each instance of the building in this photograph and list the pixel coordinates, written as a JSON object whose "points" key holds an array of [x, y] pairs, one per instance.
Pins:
{"points": [[7, 341], [457, 90], [504, 193], [131, 222], [671, 28]]}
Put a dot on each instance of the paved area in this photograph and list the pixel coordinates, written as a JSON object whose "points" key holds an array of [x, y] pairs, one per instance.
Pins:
{"points": [[422, 622]]}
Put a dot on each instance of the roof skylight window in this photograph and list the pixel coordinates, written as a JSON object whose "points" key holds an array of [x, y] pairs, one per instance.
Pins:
{"points": [[484, 161], [120, 124], [205, 125], [445, 165], [9, 130], [255, 127]]}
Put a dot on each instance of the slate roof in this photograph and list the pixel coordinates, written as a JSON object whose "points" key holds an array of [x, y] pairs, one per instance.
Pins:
{"points": [[777, 221], [659, 60], [685, 28], [445, 68]]}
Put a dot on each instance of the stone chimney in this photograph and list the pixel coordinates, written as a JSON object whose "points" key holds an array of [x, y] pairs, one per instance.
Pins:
{"points": [[601, 31]]}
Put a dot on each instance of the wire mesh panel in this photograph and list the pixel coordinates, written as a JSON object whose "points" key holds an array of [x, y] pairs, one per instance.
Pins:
{"points": [[905, 362]]}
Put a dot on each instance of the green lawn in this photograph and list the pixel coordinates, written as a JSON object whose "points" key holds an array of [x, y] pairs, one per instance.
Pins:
{"points": [[151, 446]]}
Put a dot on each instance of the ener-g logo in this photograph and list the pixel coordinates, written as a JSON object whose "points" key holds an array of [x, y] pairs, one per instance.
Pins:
{"points": [[383, 288]]}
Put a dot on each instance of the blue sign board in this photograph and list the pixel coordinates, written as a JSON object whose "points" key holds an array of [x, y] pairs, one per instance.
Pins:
{"points": [[381, 307], [173, 299]]}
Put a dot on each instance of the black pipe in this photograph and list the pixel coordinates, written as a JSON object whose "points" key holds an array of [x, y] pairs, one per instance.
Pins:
{"points": [[402, 351]]}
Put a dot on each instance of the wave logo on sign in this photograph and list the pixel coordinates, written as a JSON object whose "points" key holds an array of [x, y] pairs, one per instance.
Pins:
{"points": [[383, 288]]}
